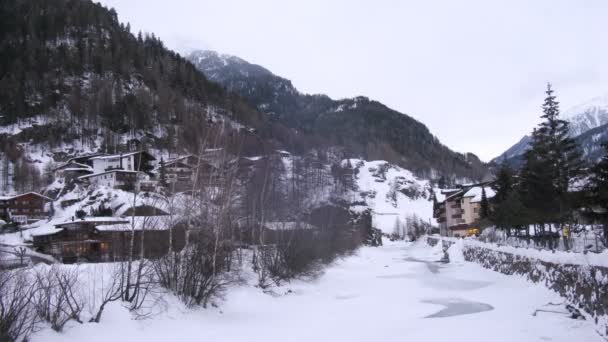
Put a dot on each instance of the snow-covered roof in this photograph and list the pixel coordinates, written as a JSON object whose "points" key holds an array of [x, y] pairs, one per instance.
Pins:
{"points": [[440, 196], [122, 155], [140, 223], [289, 225], [78, 169], [6, 198], [122, 201], [476, 191], [67, 166], [457, 193], [96, 220]]}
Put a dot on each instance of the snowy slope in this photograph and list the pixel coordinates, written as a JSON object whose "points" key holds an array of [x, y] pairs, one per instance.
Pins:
{"points": [[587, 115], [392, 193]]}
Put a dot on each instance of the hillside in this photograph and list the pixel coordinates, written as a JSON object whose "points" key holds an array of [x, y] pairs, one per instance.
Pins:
{"points": [[73, 79], [367, 128]]}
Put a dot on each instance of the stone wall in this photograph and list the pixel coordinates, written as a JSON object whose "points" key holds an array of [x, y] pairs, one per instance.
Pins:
{"points": [[581, 285]]}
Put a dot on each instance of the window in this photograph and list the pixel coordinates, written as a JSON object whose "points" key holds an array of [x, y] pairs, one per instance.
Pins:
{"points": [[476, 210]]}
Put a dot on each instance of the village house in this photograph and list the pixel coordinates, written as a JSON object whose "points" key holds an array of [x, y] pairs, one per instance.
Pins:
{"points": [[181, 172], [457, 211], [85, 159], [24, 208], [116, 179], [102, 239], [72, 170], [131, 161]]}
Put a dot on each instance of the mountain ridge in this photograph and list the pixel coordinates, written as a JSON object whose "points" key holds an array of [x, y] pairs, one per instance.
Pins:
{"points": [[588, 126], [368, 128]]}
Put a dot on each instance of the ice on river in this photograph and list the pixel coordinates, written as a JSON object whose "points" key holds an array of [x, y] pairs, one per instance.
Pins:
{"points": [[383, 294]]}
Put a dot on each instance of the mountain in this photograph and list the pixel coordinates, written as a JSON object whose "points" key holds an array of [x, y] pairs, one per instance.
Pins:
{"points": [[367, 128], [588, 126], [588, 115]]}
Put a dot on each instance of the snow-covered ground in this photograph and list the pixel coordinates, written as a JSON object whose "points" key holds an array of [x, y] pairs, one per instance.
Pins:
{"points": [[393, 293]]}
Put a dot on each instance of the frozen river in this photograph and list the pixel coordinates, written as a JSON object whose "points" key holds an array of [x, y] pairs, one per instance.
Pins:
{"points": [[393, 293]]}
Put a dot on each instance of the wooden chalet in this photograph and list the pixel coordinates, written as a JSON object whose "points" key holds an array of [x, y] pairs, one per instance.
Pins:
{"points": [[102, 239], [24, 208]]}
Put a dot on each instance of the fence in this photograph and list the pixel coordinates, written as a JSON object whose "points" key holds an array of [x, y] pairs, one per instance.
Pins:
{"points": [[584, 239]]}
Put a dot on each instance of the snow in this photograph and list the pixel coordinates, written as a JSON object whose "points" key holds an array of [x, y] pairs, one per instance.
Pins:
{"points": [[291, 225], [558, 257], [476, 193], [139, 223], [455, 252], [393, 293], [377, 191]]}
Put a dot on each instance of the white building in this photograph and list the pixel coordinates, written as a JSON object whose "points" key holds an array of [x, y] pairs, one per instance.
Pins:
{"points": [[117, 179], [132, 161]]}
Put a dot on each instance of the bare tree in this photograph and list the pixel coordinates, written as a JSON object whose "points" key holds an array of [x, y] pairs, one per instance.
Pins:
{"points": [[17, 312]]}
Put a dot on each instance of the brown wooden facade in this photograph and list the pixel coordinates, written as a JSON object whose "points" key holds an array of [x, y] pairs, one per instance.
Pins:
{"points": [[31, 205], [86, 241]]}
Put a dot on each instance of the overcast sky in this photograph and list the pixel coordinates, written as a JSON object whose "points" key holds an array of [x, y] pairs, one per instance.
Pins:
{"points": [[473, 71]]}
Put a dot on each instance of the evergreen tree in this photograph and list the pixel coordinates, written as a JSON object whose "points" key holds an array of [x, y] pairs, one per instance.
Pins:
{"points": [[503, 185], [162, 174], [597, 193], [484, 205], [550, 165]]}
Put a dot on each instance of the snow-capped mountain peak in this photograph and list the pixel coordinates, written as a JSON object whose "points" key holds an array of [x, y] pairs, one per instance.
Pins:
{"points": [[587, 115]]}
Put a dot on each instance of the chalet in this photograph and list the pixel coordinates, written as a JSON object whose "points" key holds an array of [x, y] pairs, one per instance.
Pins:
{"points": [[116, 179], [99, 239], [132, 161], [24, 208], [179, 174], [85, 158], [458, 210], [72, 170]]}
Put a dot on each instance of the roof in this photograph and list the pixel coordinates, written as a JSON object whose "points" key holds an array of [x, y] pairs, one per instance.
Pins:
{"points": [[85, 156], [5, 198], [88, 169], [476, 193], [457, 193], [95, 220], [139, 223], [175, 161], [68, 163], [122, 155]]}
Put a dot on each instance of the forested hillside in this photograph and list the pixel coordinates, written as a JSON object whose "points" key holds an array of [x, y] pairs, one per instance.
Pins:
{"points": [[73, 80], [367, 128]]}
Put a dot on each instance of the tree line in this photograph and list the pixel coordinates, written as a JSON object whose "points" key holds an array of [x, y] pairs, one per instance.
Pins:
{"points": [[555, 189]]}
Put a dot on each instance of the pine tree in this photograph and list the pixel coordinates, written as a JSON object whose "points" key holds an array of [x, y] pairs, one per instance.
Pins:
{"points": [[484, 205], [162, 174], [597, 193], [550, 165], [503, 185]]}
